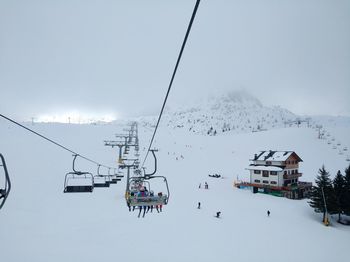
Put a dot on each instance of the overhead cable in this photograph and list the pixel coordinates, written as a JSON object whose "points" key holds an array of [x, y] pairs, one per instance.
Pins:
{"points": [[173, 76], [52, 141]]}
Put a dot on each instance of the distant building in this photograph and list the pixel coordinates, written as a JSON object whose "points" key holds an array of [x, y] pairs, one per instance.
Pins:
{"points": [[275, 168], [277, 173]]}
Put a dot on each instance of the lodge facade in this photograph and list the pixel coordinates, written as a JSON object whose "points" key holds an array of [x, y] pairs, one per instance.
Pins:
{"points": [[277, 173], [275, 168]]}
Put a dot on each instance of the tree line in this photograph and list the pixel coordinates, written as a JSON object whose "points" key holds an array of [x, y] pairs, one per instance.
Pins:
{"points": [[335, 198]]}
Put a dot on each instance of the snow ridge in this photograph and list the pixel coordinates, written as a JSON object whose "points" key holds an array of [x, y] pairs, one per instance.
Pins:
{"points": [[235, 111]]}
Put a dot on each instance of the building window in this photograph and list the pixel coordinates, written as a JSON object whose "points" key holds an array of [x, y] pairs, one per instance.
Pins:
{"points": [[273, 173], [296, 171], [273, 182], [285, 172], [268, 163], [265, 173], [257, 181], [256, 171], [265, 181]]}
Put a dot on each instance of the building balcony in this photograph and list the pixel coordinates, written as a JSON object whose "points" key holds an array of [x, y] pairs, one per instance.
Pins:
{"points": [[292, 176]]}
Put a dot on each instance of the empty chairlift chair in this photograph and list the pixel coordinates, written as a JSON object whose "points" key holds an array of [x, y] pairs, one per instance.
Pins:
{"points": [[100, 180], [77, 181], [112, 178], [118, 175], [5, 183]]}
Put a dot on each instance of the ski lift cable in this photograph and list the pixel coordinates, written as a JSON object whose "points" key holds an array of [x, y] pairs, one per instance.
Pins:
{"points": [[172, 78], [52, 141]]}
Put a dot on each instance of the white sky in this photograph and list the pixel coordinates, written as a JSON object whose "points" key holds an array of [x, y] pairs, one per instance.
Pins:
{"points": [[117, 57]]}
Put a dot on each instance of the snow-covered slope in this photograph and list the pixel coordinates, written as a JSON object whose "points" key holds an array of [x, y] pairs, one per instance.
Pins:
{"points": [[40, 223], [235, 111]]}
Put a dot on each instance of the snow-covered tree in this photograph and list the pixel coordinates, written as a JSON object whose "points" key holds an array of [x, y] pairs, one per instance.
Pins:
{"points": [[346, 202], [324, 182], [339, 193]]}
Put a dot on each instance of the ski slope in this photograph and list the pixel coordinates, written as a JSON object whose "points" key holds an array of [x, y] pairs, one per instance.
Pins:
{"points": [[41, 223]]}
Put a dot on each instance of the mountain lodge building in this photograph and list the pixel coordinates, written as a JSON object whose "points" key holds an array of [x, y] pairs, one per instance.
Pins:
{"points": [[277, 173]]}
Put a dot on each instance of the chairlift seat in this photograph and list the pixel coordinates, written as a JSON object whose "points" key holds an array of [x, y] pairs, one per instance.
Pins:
{"points": [[112, 181], [100, 182], [78, 189], [78, 182]]}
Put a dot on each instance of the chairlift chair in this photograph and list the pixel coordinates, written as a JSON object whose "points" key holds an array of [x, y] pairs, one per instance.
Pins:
{"points": [[112, 178], [115, 179], [5, 188], [117, 174], [77, 181], [100, 180], [141, 198]]}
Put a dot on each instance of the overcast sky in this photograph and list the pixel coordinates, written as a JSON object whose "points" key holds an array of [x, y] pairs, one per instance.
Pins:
{"points": [[110, 56]]}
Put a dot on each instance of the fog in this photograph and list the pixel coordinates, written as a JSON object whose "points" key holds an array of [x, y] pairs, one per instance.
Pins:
{"points": [[116, 57]]}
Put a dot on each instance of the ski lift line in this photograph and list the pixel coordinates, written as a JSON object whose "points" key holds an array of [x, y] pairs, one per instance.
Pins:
{"points": [[173, 76], [52, 141]]}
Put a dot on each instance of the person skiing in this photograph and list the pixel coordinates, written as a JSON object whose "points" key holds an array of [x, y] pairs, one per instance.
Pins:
{"points": [[199, 205], [206, 185], [218, 214], [268, 213]]}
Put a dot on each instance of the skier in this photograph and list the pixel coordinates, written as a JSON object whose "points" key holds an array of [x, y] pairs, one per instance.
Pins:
{"points": [[206, 185], [268, 213], [199, 205], [199, 185], [218, 214]]}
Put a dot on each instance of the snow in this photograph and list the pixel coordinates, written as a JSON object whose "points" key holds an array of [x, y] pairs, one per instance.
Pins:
{"points": [[268, 168], [41, 223], [278, 156]]}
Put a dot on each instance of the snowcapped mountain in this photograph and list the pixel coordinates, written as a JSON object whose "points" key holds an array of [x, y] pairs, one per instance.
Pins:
{"points": [[236, 111]]}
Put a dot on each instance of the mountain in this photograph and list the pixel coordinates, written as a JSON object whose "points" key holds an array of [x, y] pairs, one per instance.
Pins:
{"points": [[236, 111]]}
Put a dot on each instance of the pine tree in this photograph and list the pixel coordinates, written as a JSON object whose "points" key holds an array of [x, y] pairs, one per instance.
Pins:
{"points": [[324, 182], [346, 202], [339, 193]]}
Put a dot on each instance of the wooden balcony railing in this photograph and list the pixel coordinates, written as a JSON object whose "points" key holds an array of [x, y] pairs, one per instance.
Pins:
{"points": [[292, 176]]}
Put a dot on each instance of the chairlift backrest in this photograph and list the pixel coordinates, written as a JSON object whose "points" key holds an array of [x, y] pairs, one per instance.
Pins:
{"points": [[6, 188]]}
